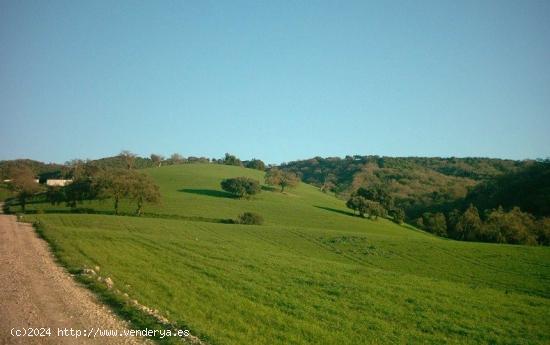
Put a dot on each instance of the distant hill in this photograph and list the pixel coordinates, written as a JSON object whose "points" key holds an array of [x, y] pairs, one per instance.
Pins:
{"points": [[54, 170], [119, 162], [42, 170], [419, 184]]}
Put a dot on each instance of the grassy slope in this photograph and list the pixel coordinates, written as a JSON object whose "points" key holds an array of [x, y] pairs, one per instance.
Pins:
{"points": [[312, 275]]}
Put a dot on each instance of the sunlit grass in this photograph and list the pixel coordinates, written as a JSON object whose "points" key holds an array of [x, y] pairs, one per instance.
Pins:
{"points": [[312, 275]]}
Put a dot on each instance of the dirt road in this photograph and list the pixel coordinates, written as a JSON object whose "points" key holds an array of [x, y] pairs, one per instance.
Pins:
{"points": [[35, 292]]}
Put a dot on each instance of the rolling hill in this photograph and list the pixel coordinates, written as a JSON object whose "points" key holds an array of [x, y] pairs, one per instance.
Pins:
{"points": [[313, 274], [426, 184]]}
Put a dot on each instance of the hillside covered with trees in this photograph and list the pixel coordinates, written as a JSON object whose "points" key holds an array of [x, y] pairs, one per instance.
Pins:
{"points": [[474, 199]]}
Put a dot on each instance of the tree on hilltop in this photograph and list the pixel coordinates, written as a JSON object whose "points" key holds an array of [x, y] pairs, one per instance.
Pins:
{"points": [[176, 158], [157, 159], [257, 164], [129, 158], [230, 159]]}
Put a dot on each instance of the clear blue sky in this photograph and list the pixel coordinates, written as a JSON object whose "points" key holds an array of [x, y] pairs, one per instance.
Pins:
{"points": [[274, 80]]}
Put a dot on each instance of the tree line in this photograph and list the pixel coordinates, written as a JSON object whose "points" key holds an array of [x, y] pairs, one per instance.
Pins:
{"points": [[89, 183], [374, 202], [124, 160], [111, 177], [228, 159], [496, 225], [435, 190], [493, 225]]}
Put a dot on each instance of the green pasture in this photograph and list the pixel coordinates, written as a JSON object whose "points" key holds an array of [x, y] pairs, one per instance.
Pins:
{"points": [[313, 274]]}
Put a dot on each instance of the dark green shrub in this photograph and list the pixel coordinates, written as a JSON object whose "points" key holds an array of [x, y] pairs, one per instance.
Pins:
{"points": [[436, 223], [370, 208], [231, 160], [55, 195], [398, 215], [241, 186], [255, 164], [250, 218]]}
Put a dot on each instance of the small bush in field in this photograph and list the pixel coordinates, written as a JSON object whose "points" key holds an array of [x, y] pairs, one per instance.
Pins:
{"points": [[250, 218]]}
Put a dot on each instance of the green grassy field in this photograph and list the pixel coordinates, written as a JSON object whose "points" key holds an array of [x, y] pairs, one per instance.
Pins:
{"points": [[313, 274]]}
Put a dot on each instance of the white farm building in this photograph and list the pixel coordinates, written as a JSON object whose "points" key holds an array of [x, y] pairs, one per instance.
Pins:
{"points": [[58, 182]]}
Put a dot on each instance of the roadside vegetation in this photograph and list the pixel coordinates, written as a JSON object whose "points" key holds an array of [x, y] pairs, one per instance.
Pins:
{"points": [[24, 185], [89, 182]]}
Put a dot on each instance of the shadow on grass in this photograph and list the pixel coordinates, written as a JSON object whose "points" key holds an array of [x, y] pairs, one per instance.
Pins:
{"points": [[78, 210], [336, 211], [208, 192], [269, 188], [412, 228], [82, 210]]}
